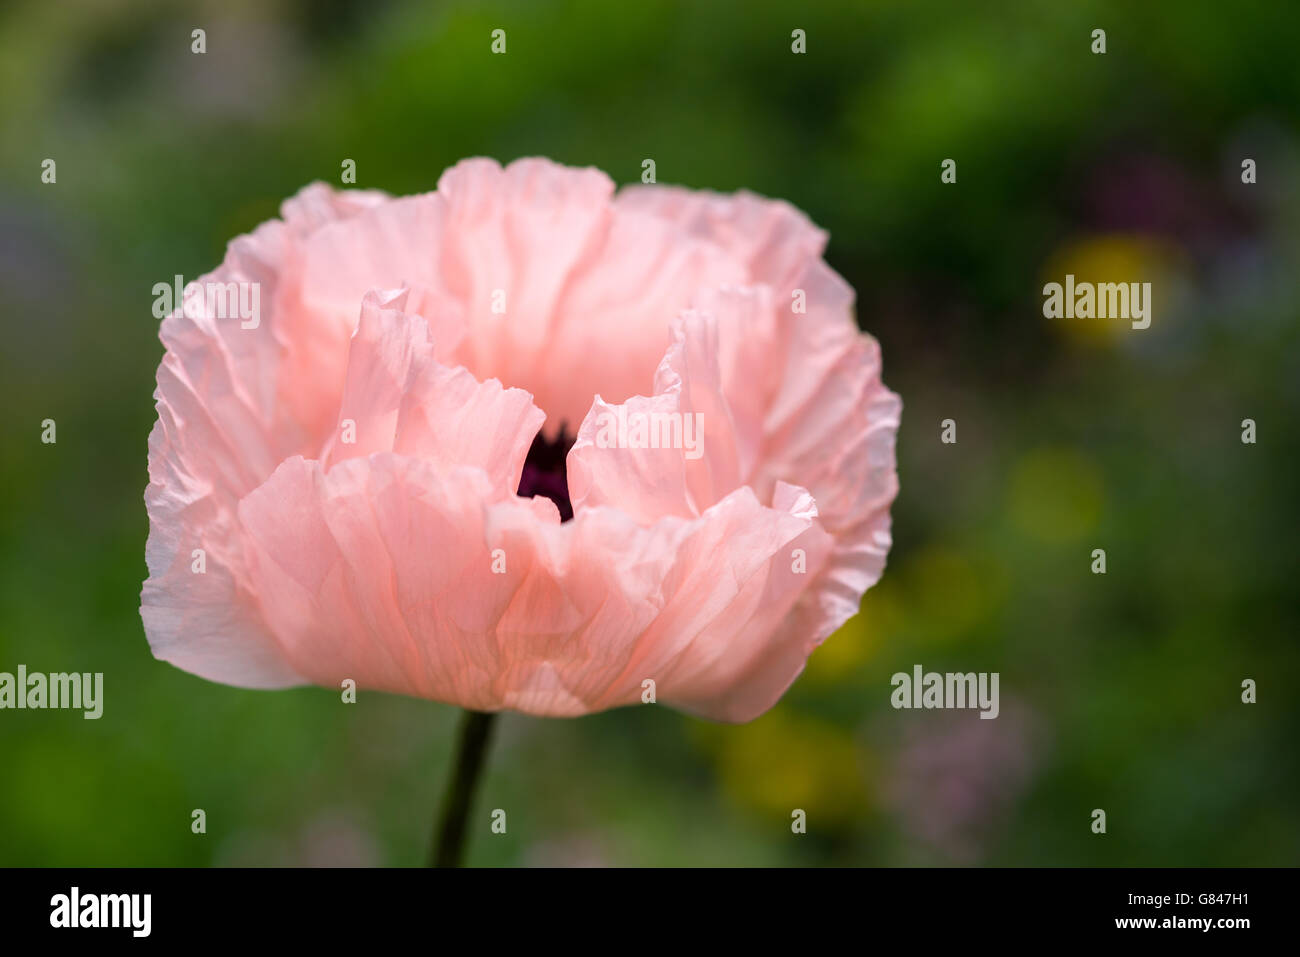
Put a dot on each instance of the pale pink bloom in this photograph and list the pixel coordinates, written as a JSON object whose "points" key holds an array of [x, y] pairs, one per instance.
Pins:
{"points": [[447, 329]]}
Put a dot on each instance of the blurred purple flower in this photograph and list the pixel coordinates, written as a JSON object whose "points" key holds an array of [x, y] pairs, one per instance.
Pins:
{"points": [[955, 778]]}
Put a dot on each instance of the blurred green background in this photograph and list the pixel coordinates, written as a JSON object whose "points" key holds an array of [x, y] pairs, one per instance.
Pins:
{"points": [[1120, 692]]}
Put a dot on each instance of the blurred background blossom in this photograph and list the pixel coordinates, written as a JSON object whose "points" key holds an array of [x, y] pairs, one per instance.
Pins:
{"points": [[1120, 691], [954, 784]]}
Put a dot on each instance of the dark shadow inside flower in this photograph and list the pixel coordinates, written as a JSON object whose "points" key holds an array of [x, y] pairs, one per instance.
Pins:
{"points": [[544, 470]]}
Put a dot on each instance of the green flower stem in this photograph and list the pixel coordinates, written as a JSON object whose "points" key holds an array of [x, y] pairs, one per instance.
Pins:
{"points": [[449, 839]]}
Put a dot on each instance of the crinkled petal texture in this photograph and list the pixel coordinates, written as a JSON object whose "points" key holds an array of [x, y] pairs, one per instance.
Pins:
{"points": [[333, 488]]}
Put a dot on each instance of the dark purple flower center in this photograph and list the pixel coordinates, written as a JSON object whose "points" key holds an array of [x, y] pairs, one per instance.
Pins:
{"points": [[544, 471]]}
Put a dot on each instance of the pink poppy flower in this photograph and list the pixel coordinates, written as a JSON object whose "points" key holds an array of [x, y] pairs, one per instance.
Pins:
{"points": [[519, 443]]}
